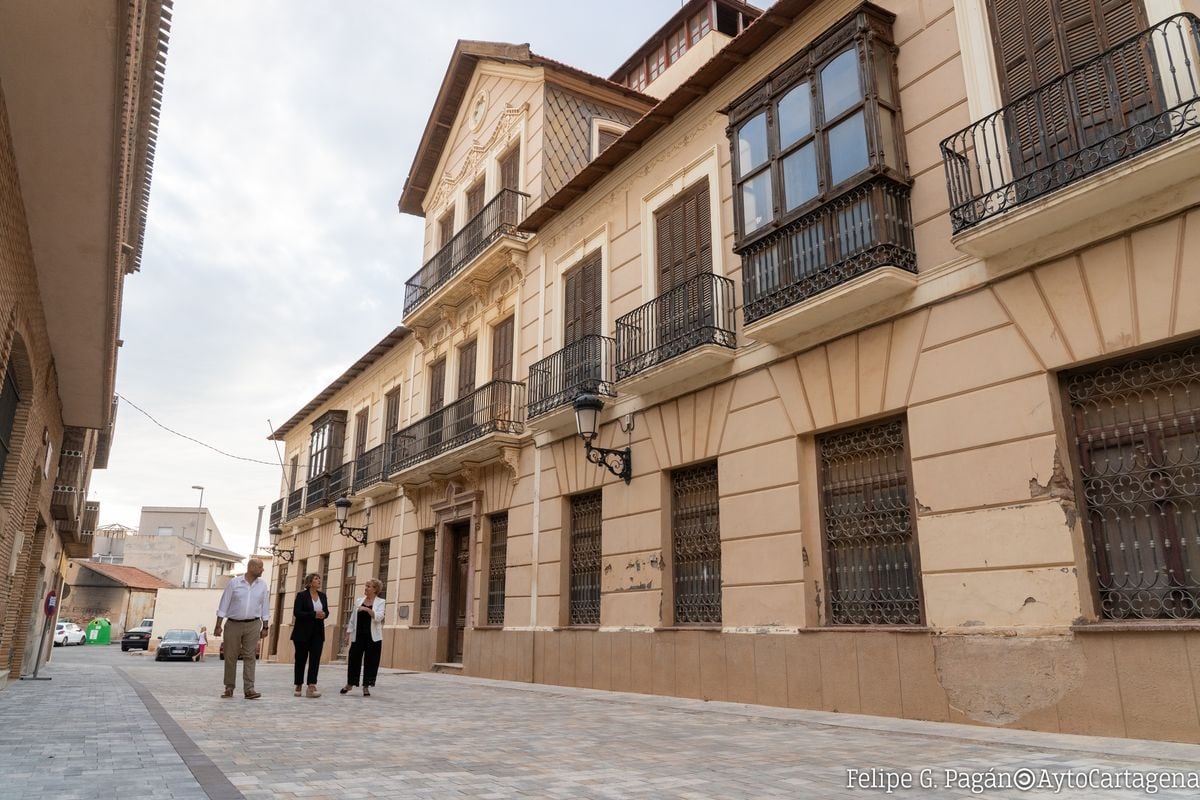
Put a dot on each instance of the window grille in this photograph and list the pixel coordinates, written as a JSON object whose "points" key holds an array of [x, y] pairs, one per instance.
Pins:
{"points": [[384, 556], [586, 516], [497, 569], [349, 578], [867, 527], [1136, 427], [696, 545], [427, 548]]}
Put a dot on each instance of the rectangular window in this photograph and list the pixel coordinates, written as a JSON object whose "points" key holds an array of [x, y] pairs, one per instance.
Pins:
{"points": [[325, 443], [9, 400], [391, 417], [383, 561], [683, 238], [437, 385], [696, 545], [582, 299], [293, 473], [657, 62], [166, 531], [360, 431], [475, 199], [446, 227], [497, 568], [424, 612], [677, 44], [510, 169], [349, 579], [699, 26], [818, 127], [502, 350], [867, 526], [324, 572], [586, 518], [1137, 453]]}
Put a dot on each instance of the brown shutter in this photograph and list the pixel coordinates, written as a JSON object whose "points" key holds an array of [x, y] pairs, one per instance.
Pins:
{"points": [[502, 351], [446, 228], [392, 415], [590, 295], [474, 200], [683, 238], [466, 368], [360, 432], [437, 385], [510, 170], [571, 307]]}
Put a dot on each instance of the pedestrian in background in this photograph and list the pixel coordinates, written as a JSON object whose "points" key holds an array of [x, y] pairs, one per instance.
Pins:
{"points": [[203, 637], [365, 634], [246, 608], [308, 634]]}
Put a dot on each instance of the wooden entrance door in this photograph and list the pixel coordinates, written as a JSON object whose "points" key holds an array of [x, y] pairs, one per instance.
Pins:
{"points": [[460, 585]]}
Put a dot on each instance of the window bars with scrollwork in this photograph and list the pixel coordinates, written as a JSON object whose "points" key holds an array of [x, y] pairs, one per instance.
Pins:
{"points": [[1136, 427], [425, 607], [871, 571], [383, 555], [696, 545], [497, 568], [586, 515]]}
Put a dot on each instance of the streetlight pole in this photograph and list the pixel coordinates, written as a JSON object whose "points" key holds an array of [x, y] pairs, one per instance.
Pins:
{"points": [[196, 537]]}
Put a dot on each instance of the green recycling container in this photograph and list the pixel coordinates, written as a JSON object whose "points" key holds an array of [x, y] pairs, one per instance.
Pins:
{"points": [[99, 631]]}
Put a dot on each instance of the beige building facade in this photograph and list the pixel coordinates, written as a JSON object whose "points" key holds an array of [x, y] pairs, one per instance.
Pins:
{"points": [[893, 318], [74, 182]]}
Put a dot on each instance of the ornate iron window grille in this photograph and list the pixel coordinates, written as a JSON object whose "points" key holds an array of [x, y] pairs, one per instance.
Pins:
{"points": [[585, 365], [699, 311], [1136, 427], [497, 569], [867, 227], [499, 217], [586, 527], [871, 572], [349, 580], [496, 407], [295, 504], [1141, 93], [696, 545], [425, 606], [384, 556]]}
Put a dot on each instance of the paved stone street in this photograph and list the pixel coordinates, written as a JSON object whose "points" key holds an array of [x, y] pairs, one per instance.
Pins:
{"points": [[120, 725]]}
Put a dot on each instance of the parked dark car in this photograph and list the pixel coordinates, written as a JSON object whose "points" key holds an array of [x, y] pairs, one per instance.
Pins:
{"points": [[177, 644], [138, 638]]}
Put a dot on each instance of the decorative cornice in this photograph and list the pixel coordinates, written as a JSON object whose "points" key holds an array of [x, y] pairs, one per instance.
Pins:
{"points": [[504, 125]]}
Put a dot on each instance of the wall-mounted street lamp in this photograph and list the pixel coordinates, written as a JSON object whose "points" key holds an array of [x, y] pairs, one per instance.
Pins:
{"points": [[341, 507], [276, 533], [587, 418]]}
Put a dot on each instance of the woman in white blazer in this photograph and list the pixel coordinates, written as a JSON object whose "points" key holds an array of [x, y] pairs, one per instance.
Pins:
{"points": [[365, 634]]}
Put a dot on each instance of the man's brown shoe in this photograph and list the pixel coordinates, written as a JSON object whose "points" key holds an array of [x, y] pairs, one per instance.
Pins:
{"points": [[227, 693], [253, 695]]}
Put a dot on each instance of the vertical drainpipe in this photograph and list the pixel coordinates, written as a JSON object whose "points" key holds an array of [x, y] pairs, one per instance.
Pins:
{"points": [[537, 456]]}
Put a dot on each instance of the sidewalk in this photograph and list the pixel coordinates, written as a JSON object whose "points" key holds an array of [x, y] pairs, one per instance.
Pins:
{"points": [[113, 725]]}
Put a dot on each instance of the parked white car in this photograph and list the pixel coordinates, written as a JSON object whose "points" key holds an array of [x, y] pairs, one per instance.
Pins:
{"points": [[68, 633]]}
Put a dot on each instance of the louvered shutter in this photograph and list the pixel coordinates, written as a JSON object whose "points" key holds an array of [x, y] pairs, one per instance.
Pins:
{"points": [[446, 228], [572, 308], [590, 295], [437, 385], [502, 351], [466, 369], [474, 200], [604, 139], [510, 170]]}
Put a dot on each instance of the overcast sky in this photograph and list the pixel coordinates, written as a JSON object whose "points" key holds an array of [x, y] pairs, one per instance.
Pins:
{"points": [[275, 256]]}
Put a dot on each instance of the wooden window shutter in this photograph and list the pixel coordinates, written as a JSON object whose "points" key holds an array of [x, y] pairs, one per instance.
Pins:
{"points": [[604, 139], [510, 170], [590, 287], [474, 200], [446, 228], [502, 351], [360, 432], [571, 310], [437, 385], [683, 238], [466, 368]]}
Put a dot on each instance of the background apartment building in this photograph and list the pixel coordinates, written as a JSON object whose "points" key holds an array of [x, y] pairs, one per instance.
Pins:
{"points": [[74, 183], [890, 311]]}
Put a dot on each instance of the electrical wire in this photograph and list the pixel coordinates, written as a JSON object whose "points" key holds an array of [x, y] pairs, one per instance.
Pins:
{"points": [[150, 417]]}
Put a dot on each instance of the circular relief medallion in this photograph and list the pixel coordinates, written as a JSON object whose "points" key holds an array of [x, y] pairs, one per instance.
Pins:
{"points": [[478, 109]]}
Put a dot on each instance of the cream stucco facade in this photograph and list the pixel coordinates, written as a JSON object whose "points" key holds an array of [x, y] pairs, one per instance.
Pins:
{"points": [[967, 351]]}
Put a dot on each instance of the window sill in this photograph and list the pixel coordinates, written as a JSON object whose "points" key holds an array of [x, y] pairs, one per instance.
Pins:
{"points": [[869, 629], [419, 627], [487, 627], [1137, 626], [668, 628]]}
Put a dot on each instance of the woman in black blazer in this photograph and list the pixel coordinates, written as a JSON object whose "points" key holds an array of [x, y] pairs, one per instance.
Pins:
{"points": [[308, 633]]}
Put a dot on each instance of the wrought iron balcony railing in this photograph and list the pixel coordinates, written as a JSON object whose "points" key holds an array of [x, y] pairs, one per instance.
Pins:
{"points": [[582, 366], [317, 493], [867, 227], [1139, 94], [369, 467], [277, 512], [341, 480], [697, 312], [496, 407], [295, 504], [499, 217]]}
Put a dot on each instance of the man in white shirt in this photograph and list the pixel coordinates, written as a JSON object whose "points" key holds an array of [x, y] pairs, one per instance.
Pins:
{"points": [[244, 614]]}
